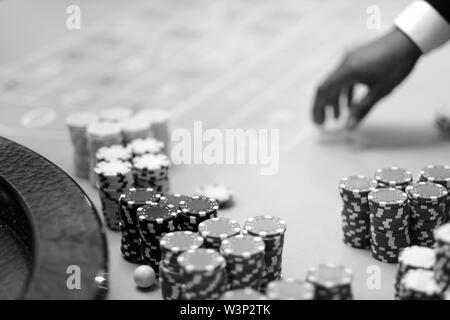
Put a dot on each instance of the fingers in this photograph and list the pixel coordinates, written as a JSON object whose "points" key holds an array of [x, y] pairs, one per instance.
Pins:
{"points": [[359, 110]]}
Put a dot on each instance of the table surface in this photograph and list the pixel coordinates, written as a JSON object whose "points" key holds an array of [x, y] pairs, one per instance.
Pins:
{"points": [[231, 64]]}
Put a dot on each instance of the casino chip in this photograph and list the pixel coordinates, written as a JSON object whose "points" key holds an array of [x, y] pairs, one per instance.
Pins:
{"points": [[195, 210], [331, 282], [393, 177], [112, 153], [389, 223], [439, 174], [140, 147], [152, 170], [442, 250], [158, 120], [215, 230], [223, 194], [243, 294], [355, 211], [419, 285], [135, 128], [427, 201], [413, 258], [290, 289]]}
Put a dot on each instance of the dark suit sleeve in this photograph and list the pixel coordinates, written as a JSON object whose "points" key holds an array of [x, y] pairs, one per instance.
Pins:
{"points": [[443, 7]]}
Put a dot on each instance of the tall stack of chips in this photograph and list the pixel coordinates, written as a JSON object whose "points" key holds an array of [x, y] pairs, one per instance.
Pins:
{"points": [[439, 174], [442, 250], [172, 246], [129, 202], [195, 210], [244, 255], [77, 124], [112, 153], [272, 231], [427, 203], [152, 170], [215, 230], [101, 134], [413, 258], [393, 177], [243, 294], [204, 271], [113, 178], [135, 128], [154, 221], [159, 124], [331, 282], [419, 285], [389, 223], [290, 289], [355, 211], [140, 147]]}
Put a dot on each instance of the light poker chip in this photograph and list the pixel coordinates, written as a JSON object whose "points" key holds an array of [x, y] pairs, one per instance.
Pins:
{"points": [[146, 146], [442, 233], [114, 152], [134, 124], [290, 289], [421, 281], [243, 294], [112, 168], [436, 173], [357, 185], [393, 176], [388, 197], [156, 212], [245, 246], [201, 260], [180, 241], [223, 194], [136, 197], [220, 228], [265, 226], [199, 206], [418, 257], [101, 129], [426, 191], [151, 162], [80, 119], [329, 275]]}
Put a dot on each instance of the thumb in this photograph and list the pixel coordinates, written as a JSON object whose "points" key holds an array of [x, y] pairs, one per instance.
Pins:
{"points": [[360, 109]]}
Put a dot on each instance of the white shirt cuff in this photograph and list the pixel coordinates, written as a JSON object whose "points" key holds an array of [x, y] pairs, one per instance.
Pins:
{"points": [[424, 25]]}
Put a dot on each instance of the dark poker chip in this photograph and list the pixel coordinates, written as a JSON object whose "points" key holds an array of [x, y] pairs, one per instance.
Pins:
{"points": [[136, 197], [199, 206]]}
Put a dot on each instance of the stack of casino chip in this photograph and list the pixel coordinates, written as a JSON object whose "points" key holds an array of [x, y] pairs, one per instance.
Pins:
{"points": [[113, 178], [204, 273], [152, 171], [290, 289], [195, 210], [272, 231], [389, 223], [172, 245], [129, 202], [154, 221], [244, 255], [413, 258], [77, 123], [442, 250], [215, 230], [331, 282], [243, 294], [393, 177], [427, 202], [419, 285], [355, 211], [139, 147], [112, 153], [158, 120], [439, 174], [135, 128]]}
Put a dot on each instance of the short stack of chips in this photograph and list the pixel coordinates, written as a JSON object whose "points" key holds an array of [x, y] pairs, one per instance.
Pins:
{"points": [[152, 170], [419, 285], [77, 123], [139, 147], [195, 210], [215, 230], [113, 179], [129, 202], [172, 246], [290, 289], [427, 202], [413, 258], [244, 255], [204, 273], [331, 282], [154, 221], [442, 250], [243, 294], [355, 211], [439, 174], [389, 223], [393, 177], [272, 231]]}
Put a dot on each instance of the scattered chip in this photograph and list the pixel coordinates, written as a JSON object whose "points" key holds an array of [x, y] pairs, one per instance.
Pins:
{"points": [[223, 194]]}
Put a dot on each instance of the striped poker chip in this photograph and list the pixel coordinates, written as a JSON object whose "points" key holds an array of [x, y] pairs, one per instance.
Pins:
{"points": [[201, 260], [385, 197], [112, 168], [329, 275], [357, 185], [436, 173], [151, 162], [156, 213], [220, 228], [246, 246], [290, 289], [393, 176], [426, 191], [181, 241], [421, 281], [199, 206], [136, 197], [140, 147], [265, 226]]}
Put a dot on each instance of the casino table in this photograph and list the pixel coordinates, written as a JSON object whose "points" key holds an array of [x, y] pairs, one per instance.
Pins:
{"points": [[231, 65]]}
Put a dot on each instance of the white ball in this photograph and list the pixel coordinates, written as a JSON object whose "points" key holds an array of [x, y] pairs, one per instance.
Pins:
{"points": [[144, 276]]}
